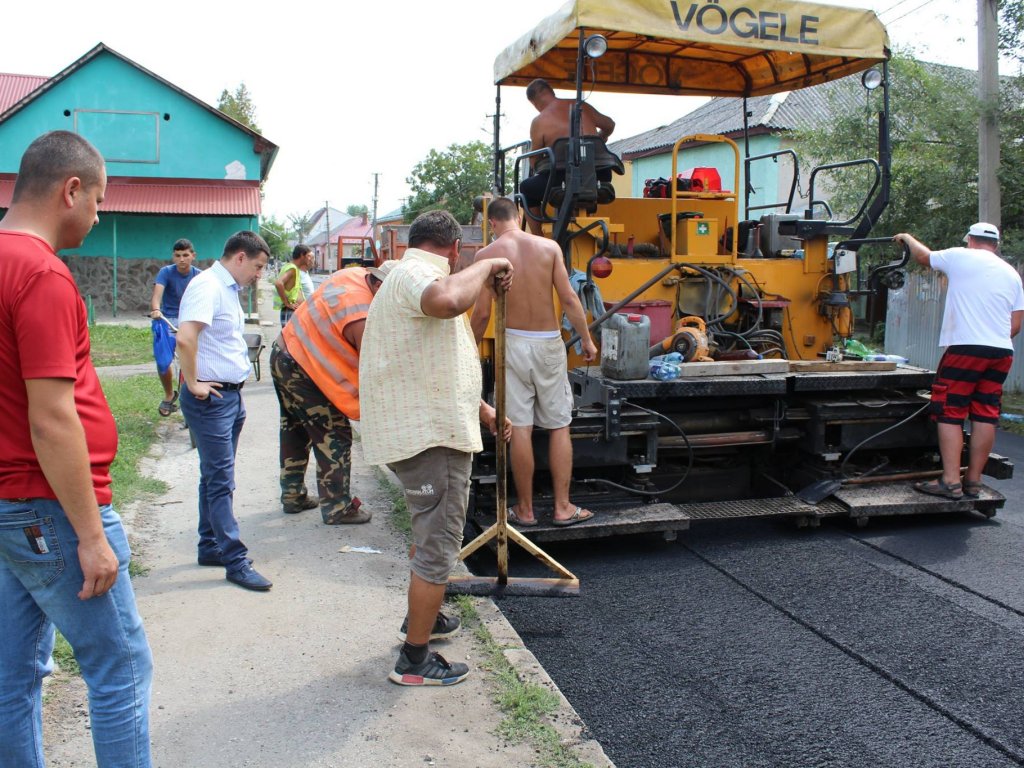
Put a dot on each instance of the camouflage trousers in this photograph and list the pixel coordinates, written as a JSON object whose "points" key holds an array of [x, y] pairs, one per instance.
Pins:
{"points": [[310, 420]]}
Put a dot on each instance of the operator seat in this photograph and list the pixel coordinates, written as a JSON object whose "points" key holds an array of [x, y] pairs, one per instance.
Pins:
{"points": [[597, 163], [594, 183]]}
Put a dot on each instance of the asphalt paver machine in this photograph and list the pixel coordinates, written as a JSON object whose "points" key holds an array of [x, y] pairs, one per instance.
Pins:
{"points": [[776, 424]]}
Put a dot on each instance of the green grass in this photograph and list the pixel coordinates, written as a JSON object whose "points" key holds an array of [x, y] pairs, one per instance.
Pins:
{"points": [[1012, 403], [399, 514], [64, 656], [120, 345], [525, 705], [133, 402]]}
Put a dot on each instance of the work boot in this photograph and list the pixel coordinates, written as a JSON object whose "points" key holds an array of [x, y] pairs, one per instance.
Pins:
{"points": [[349, 515], [306, 502]]}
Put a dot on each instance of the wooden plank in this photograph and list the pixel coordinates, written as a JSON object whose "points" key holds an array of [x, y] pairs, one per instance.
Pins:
{"points": [[823, 366], [733, 368]]}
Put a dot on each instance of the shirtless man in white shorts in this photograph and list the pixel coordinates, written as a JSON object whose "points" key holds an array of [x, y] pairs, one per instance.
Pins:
{"points": [[536, 385]]}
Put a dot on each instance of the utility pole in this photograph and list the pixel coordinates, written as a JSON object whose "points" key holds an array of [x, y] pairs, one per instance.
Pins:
{"points": [[989, 202], [327, 237], [376, 179]]}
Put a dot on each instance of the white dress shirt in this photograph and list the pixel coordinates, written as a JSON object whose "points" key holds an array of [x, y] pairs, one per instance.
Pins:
{"points": [[212, 299]]}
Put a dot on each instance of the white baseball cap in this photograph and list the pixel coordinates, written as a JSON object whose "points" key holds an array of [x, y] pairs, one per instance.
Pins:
{"points": [[381, 271], [981, 229]]}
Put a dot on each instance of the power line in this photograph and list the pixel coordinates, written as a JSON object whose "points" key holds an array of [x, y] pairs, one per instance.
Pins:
{"points": [[912, 10], [893, 6]]}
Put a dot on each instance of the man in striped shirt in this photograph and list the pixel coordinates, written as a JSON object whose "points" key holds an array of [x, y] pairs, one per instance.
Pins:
{"points": [[215, 363]]}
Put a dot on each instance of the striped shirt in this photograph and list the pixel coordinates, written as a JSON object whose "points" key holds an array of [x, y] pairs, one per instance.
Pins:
{"points": [[419, 376], [212, 299]]}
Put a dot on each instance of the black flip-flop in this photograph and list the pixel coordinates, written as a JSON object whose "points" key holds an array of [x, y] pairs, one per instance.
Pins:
{"points": [[577, 517]]}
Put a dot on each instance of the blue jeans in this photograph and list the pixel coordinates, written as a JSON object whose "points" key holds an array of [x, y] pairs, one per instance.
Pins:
{"points": [[38, 590], [216, 423]]}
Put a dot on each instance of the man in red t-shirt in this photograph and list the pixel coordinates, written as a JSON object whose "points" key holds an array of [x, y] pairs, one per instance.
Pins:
{"points": [[63, 552]]}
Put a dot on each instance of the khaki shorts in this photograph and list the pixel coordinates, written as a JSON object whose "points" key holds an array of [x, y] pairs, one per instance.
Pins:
{"points": [[436, 484], [537, 391]]}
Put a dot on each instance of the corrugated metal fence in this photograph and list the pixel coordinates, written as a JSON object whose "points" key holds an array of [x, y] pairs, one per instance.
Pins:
{"points": [[914, 318]]}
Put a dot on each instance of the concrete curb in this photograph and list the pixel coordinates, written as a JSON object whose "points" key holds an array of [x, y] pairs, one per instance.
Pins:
{"points": [[564, 720]]}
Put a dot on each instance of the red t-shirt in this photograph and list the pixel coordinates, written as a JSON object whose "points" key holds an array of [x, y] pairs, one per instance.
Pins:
{"points": [[44, 334]]}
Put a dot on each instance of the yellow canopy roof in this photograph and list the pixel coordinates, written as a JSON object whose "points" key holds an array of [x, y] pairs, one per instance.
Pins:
{"points": [[698, 47]]}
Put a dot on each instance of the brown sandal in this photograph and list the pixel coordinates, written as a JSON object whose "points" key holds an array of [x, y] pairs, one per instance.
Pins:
{"points": [[938, 488], [972, 488]]}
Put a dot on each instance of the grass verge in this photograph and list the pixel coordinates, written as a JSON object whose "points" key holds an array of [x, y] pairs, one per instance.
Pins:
{"points": [[399, 514], [133, 403], [525, 705], [64, 656], [1013, 404], [120, 345]]}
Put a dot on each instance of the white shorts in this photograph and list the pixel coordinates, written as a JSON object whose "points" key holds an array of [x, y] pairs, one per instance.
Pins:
{"points": [[537, 391]]}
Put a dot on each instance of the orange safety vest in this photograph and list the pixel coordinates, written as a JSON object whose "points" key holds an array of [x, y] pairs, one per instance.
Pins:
{"points": [[315, 336]]}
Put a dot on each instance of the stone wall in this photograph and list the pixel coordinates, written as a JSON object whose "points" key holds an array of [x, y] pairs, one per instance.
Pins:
{"points": [[95, 277]]}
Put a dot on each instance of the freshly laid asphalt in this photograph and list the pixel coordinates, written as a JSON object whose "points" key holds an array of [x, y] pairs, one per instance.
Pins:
{"points": [[754, 644]]}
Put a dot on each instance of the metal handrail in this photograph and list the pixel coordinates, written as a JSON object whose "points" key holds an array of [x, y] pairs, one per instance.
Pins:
{"points": [[809, 214], [747, 207]]}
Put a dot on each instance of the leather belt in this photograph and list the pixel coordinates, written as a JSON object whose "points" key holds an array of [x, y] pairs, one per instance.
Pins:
{"points": [[227, 386]]}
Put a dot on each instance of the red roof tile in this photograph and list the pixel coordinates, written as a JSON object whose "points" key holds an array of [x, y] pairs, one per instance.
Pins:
{"points": [[206, 198], [13, 88]]}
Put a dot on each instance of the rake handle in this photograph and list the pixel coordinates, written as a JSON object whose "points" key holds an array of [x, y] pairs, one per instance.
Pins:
{"points": [[501, 447]]}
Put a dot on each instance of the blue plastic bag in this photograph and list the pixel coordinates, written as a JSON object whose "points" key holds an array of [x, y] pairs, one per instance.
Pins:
{"points": [[163, 344]]}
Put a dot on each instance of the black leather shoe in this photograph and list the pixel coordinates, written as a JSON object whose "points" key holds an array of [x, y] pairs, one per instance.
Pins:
{"points": [[248, 578]]}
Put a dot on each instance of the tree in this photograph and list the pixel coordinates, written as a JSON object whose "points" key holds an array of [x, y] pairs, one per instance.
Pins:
{"points": [[357, 210], [276, 235], [933, 119], [1011, 29], [239, 106], [301, 223], [450, 180], [1011, 149]]}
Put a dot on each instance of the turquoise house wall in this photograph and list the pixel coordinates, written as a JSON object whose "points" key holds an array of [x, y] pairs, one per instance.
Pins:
{"points": [[765, 175], [151, 237], [124, 112]]}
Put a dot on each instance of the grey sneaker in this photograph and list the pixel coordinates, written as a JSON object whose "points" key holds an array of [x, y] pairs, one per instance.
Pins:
{"points": [[435, 670], [444, 627]]}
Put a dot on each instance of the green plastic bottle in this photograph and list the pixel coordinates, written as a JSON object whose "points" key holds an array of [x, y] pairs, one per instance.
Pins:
{"points": [[855, 347]]}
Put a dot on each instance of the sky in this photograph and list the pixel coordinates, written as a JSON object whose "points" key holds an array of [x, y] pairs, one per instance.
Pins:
{"points": [[349, 90]]}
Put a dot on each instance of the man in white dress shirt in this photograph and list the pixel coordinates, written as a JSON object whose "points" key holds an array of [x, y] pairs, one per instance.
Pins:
{"points": [[215, 363]]}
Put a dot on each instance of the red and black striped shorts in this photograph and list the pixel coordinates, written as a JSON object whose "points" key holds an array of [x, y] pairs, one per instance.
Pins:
{"points": [[970, 381]]}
